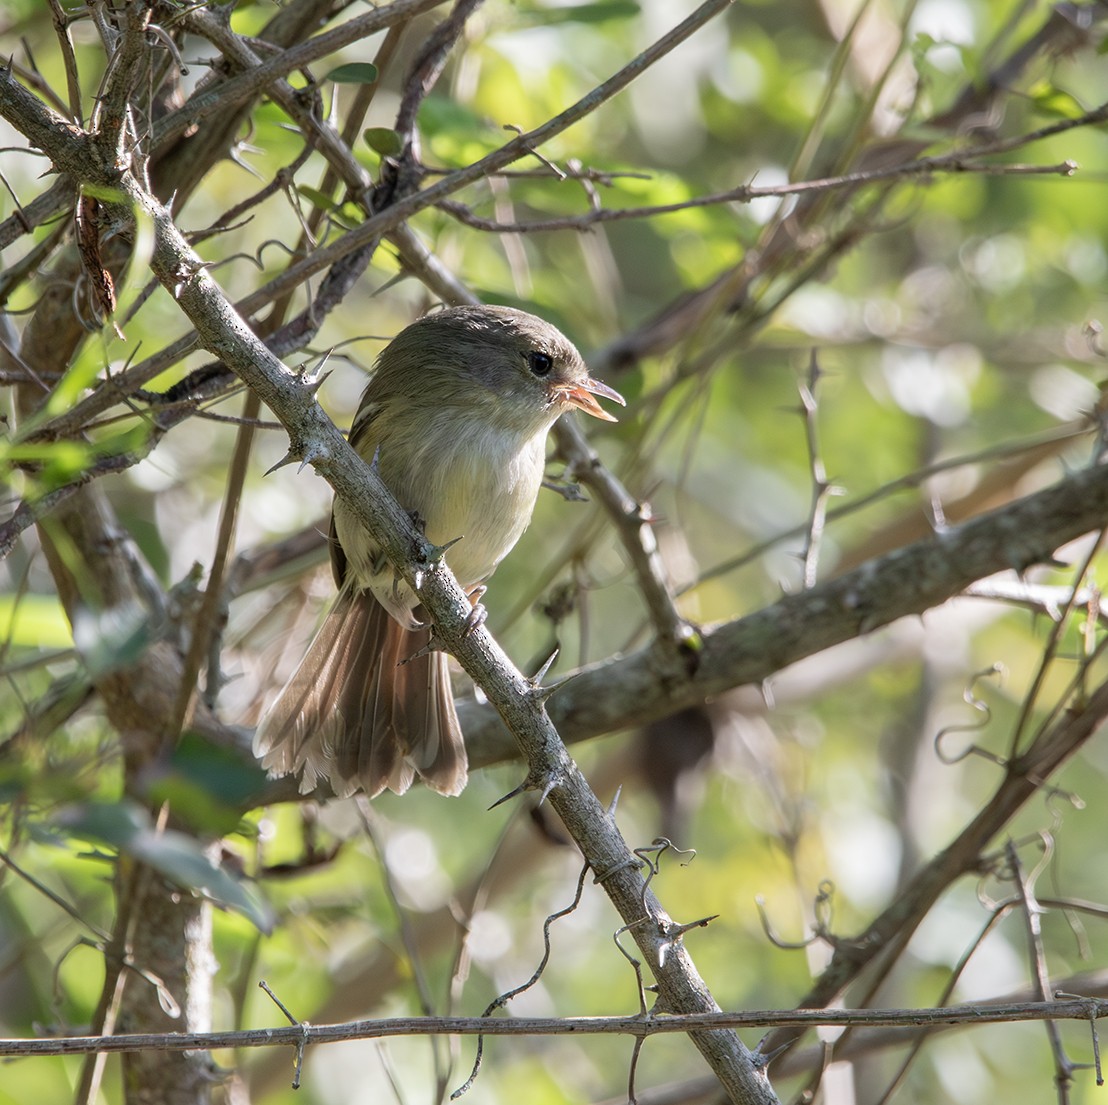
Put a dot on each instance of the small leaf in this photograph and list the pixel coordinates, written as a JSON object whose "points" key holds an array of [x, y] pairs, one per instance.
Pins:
{"points": [[315, 197], [1050, 100], [355, 72], [694, 642], [386, 142]]}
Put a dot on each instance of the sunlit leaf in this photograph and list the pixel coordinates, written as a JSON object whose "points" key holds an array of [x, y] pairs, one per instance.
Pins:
{"points": [[57, 462], [1055, 102]]}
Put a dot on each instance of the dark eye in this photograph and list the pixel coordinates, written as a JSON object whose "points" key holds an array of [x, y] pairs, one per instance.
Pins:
{"points": [[540, 363]]}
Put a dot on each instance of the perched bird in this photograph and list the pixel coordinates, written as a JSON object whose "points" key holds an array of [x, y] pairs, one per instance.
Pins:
{"points": [[456, 414]]}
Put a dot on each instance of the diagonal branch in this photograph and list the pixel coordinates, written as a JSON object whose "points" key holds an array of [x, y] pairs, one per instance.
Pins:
{"points": [[315, 439]]}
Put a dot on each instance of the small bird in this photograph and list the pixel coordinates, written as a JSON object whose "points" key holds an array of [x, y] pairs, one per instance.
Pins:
{"points": [[456, 415]]}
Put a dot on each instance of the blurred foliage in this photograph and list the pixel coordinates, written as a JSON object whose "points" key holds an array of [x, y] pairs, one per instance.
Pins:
{"points": [[958, 317]]}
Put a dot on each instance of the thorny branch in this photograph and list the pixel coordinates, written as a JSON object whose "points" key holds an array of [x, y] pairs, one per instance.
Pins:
{"points": [[314, 438]]}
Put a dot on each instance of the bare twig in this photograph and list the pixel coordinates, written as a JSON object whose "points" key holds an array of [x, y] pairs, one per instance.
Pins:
{"points": [[1032, 919], [634, 524], [1069, 1009], [746, 193], [822, 488]]}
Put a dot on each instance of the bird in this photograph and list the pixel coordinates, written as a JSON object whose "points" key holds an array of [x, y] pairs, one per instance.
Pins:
{"points": [[455, 416]]}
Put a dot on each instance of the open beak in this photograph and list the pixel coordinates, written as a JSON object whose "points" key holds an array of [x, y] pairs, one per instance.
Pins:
{"points": [[581, 396]]}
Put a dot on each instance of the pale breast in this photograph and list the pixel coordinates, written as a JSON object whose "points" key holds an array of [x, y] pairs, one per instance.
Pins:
{"points": [[465, 479], [483, 489]]}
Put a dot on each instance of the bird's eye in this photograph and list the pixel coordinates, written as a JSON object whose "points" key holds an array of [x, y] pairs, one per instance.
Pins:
{"points": [[540, 363]]}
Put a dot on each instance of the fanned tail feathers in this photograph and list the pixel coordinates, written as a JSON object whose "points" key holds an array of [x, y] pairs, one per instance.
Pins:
{"points": [[361, 712]]}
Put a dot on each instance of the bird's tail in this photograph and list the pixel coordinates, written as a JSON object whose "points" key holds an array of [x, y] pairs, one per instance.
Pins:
{"points": [[361, 712]]}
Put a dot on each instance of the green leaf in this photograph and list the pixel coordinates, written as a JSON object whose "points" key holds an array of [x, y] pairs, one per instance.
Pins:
{"points": [[61, 461], [1053, 101], [208, 786], [386, 142], [128, 828], [315, 197], [355, 72]]}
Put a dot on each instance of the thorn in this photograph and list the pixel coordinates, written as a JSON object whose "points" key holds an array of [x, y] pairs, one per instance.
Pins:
{"points": [[815, 370], [544, 694], [763, 1061], [540, 675], [313, 386], [310, 456], [291, 457], [426, 650], [571, 492], [615, 801], [437, 552], [675, 932], [521, 789], [548, 786]]}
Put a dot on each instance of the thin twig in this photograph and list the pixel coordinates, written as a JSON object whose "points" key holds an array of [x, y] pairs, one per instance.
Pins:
{"points": [[1032, 919], [822, 488], [746, 193], [635, 526], [1062, 1010]]}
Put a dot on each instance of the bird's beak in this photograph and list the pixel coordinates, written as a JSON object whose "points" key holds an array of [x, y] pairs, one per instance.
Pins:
{"points": [[581, 396]]}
